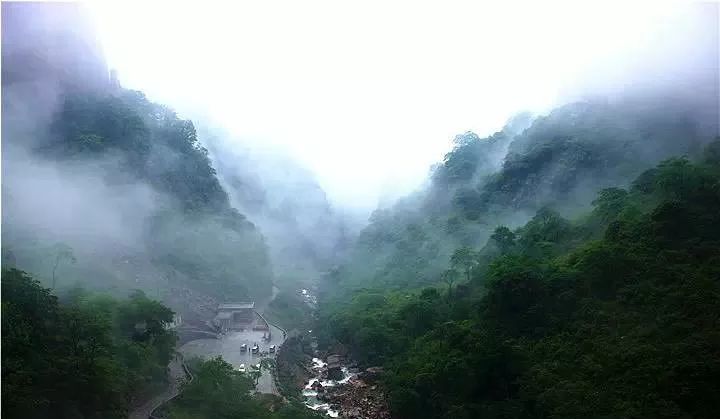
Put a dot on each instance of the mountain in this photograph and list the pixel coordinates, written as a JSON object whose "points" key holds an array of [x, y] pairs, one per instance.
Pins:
{"points": [[564, 269], [305, 232], [105, 187], [560, 160], [565, 266], [612, 313]]}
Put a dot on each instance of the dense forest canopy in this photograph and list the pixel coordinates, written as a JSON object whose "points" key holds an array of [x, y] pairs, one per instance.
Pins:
{"points": [[109, 200], [613, 313], [560, 160], [564, 266], [186, 223], [81, 356], [134, 194], [219, 391]]}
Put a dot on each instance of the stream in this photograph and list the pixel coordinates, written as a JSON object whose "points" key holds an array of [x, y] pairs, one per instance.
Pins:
{"points": [[310, 392], [319, 381], [322, 394]]}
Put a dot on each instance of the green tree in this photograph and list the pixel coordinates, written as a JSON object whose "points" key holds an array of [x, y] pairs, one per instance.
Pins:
{"points": [[609, 203], [78, 358], [464, 260], [605, 315], [504, 238], [449, 277]]}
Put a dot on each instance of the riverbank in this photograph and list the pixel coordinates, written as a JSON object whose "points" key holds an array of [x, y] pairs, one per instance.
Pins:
{"points": [[340, 390], [325, 383]]}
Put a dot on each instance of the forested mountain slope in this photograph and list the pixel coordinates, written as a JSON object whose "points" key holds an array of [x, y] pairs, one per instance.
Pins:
{"points": [[560, 160], [614, 313], [106, 194], [306, 234], [104, 186]]}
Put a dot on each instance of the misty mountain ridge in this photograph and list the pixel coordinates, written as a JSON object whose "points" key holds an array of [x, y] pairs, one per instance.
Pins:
{"points": [[560, 160], [157, 159], [133, 192], [305, 232], [565, 266]]}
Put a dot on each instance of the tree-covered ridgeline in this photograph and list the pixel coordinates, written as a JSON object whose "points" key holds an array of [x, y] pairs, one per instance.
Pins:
{"points": [[187, 224], [613, 313], [83, 356], [562, 159]]}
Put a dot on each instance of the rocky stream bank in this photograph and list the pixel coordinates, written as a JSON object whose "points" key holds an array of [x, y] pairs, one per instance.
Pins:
{"points": [[340, 389]]}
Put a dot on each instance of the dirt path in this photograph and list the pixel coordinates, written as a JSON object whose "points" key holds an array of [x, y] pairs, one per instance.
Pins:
{"points": [[176, 376]]}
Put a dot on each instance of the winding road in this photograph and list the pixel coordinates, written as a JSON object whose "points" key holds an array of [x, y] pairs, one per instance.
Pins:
{"points": [[176, 375], [227, 347]]}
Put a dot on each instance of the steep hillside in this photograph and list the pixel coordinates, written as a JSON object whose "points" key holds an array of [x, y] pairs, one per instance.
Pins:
{"points": [[560, 160], [104, 186], [610, 314], [305, 233]]}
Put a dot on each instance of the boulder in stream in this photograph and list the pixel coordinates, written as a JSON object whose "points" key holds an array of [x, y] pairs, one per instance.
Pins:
{"points": [[334, 367]]}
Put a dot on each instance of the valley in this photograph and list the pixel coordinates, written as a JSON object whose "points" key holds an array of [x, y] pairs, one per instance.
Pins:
{"points": [[196, 261]]}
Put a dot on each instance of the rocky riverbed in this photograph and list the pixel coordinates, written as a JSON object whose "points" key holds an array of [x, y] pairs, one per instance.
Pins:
{"points": [[342, 391]]}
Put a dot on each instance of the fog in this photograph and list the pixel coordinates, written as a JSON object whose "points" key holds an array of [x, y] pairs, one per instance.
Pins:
{"points": [[369, 96], [106, 189], [376, 178], [304, 231], [77, 204], [315, 115]]}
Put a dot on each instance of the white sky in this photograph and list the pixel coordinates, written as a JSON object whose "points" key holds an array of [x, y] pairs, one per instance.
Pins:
{"points": [[367, 94]]}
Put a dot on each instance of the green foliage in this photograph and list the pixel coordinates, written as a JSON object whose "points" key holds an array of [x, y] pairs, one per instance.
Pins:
{"points": [[218, 391], [504, 239], [609, 203], [471, 158], [464, 260], [228, 256], [290, 311], [151, 142], [290, 366], [582, 147], [614, 314], [84, 358], [191, 231], [559, 162]]}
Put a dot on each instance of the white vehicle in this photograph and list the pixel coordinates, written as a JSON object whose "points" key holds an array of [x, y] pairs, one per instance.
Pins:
{"points": [[243, 348], [255, 349], [241, 368]]}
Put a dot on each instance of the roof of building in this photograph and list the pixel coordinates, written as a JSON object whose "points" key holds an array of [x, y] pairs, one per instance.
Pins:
{"points": [[236, 306], [223, 316]]}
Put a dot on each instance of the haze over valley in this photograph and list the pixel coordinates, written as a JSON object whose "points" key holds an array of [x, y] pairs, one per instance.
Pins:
{"points": [[363, 211]]}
